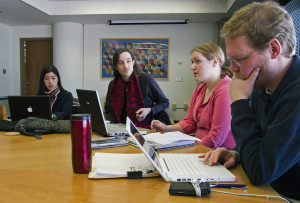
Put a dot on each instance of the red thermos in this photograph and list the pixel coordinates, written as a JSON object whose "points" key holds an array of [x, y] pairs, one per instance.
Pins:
{"points": [[81, 131]]}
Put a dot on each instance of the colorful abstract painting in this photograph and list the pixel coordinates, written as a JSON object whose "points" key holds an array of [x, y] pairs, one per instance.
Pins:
{"points": [[152, 55]]}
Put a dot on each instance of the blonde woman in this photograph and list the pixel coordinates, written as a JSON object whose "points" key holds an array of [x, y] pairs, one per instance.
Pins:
{"points": [[209, 110]]}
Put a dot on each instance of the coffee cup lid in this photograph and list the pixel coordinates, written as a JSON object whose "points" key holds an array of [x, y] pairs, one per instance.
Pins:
{"points": [[81, 117]]}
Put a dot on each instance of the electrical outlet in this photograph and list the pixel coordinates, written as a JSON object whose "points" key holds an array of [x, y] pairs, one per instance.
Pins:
{"points": [[185, 107], [174, 106]]}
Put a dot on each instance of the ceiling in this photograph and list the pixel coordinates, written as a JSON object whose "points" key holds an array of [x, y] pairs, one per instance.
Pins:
{"points": [[47, 12]]}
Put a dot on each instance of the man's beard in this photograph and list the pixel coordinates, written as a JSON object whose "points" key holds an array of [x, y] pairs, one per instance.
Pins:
{"points": [[260, 82], [263, 77]]}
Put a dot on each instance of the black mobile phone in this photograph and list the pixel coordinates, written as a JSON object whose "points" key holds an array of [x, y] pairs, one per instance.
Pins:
{"points": [[187, 189]]}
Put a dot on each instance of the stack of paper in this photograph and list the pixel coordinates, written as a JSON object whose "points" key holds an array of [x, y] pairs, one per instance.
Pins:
{"points": [[161, 141], [108, 142], [115, 165]]}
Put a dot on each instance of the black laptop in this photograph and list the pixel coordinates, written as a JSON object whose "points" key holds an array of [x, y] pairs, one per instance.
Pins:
{"points": [[21, 107], [90, 103]]}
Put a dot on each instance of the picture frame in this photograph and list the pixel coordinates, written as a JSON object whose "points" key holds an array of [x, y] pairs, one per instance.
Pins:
{"points": [[151, 54]]}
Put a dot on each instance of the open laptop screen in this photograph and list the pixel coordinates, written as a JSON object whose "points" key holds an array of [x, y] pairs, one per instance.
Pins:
{"points": [[144, 143], [90, 103], [144, 146], [29, 106]]}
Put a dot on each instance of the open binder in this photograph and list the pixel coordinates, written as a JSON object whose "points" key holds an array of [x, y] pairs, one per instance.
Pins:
{"points": [[168, 140], [116, 165]]}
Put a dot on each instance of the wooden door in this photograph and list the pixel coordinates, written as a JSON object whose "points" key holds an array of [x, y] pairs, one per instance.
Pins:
{"points": [[35, 54]]}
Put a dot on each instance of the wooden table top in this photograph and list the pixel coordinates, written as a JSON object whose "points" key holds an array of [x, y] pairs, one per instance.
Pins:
{"points": [[33, 170]]}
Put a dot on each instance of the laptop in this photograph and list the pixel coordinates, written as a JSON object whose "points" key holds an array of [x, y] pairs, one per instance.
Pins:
{"points": [[21, 107], [90, 103], [183, 167]]}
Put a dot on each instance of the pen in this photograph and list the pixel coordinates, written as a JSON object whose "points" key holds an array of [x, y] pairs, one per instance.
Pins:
{"points": [[231, 186]]}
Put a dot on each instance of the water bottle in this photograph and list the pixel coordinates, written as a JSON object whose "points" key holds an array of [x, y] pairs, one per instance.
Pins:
{"points": [[81, 131]]}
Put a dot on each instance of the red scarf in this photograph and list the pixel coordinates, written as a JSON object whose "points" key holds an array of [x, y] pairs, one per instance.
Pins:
{"points": [[134, 99], [53, 95]]}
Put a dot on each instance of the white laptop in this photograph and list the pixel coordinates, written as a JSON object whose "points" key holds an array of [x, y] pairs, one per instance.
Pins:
{"points": [[182, 167], [21, 107], [90, 103]]}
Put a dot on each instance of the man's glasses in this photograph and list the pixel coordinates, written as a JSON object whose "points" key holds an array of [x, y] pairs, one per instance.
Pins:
{"points": [[238, 62]]}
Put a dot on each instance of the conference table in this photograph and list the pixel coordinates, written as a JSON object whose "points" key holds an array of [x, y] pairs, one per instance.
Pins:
{"points": [[33, 170]]}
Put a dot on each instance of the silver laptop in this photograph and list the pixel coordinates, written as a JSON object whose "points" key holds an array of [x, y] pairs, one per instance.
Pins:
{"points": [[182, 167], [21, 107], [90, 103]]}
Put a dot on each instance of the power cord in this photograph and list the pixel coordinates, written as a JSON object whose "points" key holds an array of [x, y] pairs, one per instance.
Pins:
{"points": [[197, 187], [201, 187], [254, 195]]}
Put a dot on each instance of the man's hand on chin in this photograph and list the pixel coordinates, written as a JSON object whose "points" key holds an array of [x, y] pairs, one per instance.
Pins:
{"points": [[242, 88]]}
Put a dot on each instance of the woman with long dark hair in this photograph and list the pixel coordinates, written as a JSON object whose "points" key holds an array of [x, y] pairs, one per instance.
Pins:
{"points": [[61, 100]]}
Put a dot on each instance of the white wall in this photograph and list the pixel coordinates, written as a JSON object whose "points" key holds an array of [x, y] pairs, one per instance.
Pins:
{"points": [[5, 60], [182, 39], [68, 54]]}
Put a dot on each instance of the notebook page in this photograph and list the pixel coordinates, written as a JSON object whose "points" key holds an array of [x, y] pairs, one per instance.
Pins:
{"points": [[169, 137], [119, 164]]}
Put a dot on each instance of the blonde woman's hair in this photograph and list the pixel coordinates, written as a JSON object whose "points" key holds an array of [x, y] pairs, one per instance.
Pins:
{"points": [[261, 22], [210, 51]]}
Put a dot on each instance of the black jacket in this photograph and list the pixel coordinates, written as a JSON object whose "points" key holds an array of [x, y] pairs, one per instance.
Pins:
{"points": [[153, 98], [266, 129], [63, 105]]}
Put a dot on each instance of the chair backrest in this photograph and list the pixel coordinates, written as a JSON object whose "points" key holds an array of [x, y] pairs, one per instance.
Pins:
{"points": [[3, 112], [163, 117], [76, 106]]}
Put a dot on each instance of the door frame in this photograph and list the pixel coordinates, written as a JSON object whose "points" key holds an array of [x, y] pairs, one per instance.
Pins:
{"points": [[22, 60]]}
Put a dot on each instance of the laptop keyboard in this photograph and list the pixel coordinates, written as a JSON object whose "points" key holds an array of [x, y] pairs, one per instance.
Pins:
{"points": [[116, 128], [184, 164]]}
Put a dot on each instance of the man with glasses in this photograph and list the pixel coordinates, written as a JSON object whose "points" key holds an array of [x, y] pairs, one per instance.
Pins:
{"points": [[265, 93]]}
